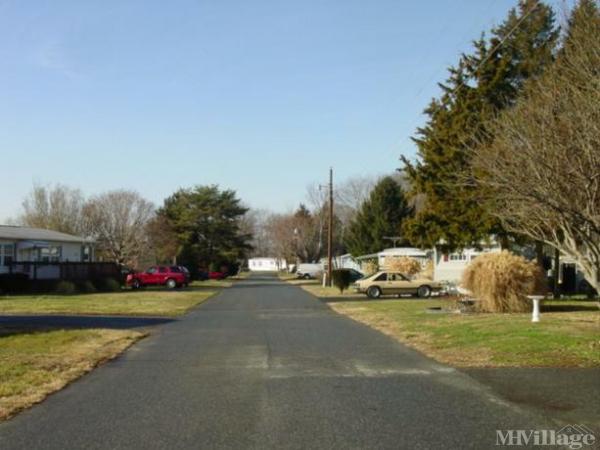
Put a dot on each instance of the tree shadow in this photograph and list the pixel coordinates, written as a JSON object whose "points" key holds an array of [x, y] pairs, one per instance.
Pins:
{"points": [[549, 309], [43, 322]]}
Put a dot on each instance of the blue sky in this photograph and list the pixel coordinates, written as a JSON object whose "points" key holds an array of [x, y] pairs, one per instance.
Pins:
{"points": [[259, 96]]}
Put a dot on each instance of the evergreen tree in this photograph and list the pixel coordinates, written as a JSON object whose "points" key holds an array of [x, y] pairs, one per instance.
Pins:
{"points": [[381, 215], [206, 223], [482, 84]]}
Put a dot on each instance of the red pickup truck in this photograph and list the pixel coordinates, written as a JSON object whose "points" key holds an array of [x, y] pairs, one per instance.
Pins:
{"points": [[170, 276]]}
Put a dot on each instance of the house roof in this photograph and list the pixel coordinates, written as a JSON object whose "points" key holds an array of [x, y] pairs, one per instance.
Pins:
{"points": [[38, 234], [397, 251], [403, 251]]}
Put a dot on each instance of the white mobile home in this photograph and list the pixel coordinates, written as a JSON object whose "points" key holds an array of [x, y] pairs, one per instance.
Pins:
{"points": [[384, 257], [266, 264], [450, 266], [34, 245]]}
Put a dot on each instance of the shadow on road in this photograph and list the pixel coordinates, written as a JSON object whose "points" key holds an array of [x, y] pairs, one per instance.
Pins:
{"points": [[31, 322]]}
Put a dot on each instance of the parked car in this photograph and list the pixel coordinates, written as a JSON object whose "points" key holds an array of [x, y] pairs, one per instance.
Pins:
{"points": [[186, 274], [217, 275], [388, 282], [169, 276], [355, 275], [202, 275], [308, 271]]}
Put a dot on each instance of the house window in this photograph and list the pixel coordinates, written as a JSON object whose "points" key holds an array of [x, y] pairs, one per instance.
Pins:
{"points": [[50, 254], [7, 253], [458, 257], [86, 253]]}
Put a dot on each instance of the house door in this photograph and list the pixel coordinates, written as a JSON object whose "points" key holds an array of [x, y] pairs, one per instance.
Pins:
{"points": [[569, 278]]}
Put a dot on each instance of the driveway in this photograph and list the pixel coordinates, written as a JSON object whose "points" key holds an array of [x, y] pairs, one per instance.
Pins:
{"points": [[265, 365]]}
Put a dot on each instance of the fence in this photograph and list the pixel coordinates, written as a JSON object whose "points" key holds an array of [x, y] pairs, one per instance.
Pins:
{"points": [[72, 271]]}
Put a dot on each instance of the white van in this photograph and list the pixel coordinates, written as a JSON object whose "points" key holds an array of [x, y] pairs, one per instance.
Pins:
{"points": [[308, 271]]}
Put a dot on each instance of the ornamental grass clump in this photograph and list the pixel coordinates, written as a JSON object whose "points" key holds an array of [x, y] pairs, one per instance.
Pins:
{"points": [[369, 267], [404, 264], [501, 282], [427, 271]]}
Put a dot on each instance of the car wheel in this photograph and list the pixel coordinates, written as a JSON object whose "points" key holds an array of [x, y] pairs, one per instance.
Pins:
{"points": [[424, 292], [373, 292], [171, 284], [136, 284]]}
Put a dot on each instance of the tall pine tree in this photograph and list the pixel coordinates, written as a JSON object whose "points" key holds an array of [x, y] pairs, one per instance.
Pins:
{"points": [[482, 84], [381, 215], [205, 222]]}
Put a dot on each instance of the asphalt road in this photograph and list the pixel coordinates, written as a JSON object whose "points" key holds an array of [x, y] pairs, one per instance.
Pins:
{"points": [[265, 365]]}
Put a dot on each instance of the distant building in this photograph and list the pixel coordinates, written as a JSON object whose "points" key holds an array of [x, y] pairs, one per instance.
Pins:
{"points": [[450, 266], [384, 257], [346, 261], [22, 245], [266, 264]]}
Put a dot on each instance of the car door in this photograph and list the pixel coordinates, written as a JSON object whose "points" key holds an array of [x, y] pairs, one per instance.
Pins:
{"points": [[162, 276], [395, 284], [387, 283], [404, 285], [150, 276]]}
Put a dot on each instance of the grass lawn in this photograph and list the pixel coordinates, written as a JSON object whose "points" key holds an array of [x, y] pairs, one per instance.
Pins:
{"points": [[316, 288], [567, 336], [35, 364], [144, 302]]}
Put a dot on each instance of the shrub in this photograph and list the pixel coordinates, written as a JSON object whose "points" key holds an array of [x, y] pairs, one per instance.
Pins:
{"points": [[108, 285], [341, 279], [408, 266], [502, 281], [86, 287], [369, 267], [14, 283], [65, 288], [427, 271]]}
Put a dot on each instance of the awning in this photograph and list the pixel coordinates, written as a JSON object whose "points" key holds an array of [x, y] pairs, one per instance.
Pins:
{"points": [[24, 245]]}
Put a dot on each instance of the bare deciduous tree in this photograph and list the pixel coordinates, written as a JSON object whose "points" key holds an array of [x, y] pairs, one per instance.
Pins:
{"points": [[255, 223], [543, 169], [281, 230], [354, 191], [118, 221], [57, 208]]}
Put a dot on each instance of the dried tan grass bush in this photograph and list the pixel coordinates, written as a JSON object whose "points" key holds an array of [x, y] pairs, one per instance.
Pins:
{"points": [[369, 267], [427, 271], [502, 281], [404, 264]]}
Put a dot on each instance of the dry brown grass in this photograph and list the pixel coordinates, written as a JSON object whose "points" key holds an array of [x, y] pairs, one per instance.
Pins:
{"points": [[369, 267], [404, 264], [502, 281], [427, 271], [36, 364]]}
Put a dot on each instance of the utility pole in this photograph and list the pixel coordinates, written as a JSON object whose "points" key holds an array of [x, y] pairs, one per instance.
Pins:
{"points": [[330, 231]]}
